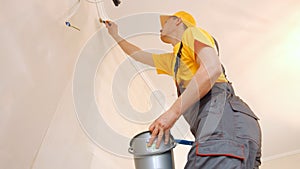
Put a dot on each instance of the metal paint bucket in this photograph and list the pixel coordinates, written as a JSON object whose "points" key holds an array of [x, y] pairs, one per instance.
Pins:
{"points": [[149, 157]]}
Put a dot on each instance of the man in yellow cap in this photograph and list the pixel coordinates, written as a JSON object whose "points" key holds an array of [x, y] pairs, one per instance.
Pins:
{"points": [[227, 134]]}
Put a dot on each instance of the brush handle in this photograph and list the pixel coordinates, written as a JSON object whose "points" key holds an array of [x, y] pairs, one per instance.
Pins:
{"points": [[102, 21], [75, 28]]}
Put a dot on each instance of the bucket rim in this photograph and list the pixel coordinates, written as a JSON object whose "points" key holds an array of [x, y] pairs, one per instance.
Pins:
{"points": [[131, 150]]}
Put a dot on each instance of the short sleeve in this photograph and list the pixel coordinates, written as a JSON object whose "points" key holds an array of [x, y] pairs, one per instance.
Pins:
{"points": [[193, 34], [163, 63]]}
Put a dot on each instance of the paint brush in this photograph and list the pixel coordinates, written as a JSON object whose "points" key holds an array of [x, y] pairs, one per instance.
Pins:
{"points": [[103, 21], [69, 25]]}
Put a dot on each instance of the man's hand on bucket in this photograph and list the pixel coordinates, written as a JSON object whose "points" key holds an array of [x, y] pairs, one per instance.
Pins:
{"points": [[161, 126]]}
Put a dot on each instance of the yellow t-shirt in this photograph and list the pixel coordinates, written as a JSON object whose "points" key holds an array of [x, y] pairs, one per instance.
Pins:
{"points": [[165, 63]]}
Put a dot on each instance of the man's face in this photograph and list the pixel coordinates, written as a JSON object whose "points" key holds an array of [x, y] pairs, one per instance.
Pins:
{"points": [[169, 27]]}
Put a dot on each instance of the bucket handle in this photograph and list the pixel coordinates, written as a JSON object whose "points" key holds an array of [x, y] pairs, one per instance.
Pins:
{"points": [[130, 150], [184, 142]]}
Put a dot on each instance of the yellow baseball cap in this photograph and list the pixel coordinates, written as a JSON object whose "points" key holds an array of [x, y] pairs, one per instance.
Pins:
{"points": [[186, 18]]}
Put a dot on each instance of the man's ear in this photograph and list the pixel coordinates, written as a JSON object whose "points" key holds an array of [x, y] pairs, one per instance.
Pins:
{"points": [[178, 21]]}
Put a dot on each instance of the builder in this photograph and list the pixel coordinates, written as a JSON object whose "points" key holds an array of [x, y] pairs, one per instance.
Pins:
{"points": [[227, 134]]}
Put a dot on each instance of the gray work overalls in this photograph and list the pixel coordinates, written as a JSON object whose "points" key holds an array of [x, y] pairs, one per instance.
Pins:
{"points": [[226, 130]]}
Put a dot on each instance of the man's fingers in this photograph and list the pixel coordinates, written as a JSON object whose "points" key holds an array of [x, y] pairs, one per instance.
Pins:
{"points": [[153, 136], [106, 24], [151, 128], [160, 136], [167, 136], [109, 23]]}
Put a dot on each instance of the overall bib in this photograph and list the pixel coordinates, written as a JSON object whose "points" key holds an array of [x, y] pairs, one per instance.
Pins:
{"points": [[226, 130]]}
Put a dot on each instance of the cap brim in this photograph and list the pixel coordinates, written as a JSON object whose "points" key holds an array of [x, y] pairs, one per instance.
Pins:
{"points": [[163, 19]]}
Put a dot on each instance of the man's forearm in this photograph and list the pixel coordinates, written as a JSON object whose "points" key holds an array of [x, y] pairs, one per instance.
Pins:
{"points": [[134, 51], [127, 47]]}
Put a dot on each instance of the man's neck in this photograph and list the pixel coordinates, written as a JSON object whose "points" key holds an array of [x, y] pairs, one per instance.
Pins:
{"points": [[177, 36]]}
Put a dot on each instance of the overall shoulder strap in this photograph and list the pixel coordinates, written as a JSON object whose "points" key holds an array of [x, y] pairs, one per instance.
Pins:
{"points": [[178, 56], [177, 64]]}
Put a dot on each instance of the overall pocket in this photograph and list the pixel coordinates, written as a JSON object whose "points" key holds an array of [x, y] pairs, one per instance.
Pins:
{"points": [[227, 148]]}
